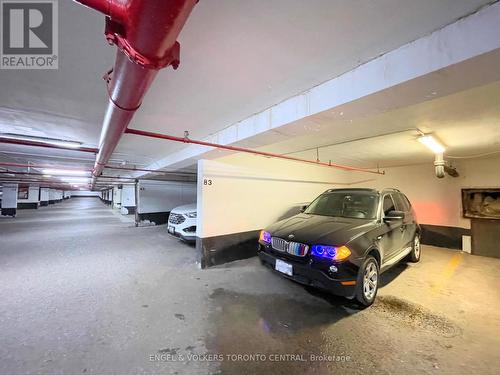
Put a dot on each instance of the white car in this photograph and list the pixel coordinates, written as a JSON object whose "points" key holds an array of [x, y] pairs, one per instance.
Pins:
{"points": [[182, 222]]}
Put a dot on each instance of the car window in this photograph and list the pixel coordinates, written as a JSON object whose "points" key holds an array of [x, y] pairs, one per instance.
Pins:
{"points": [[388, 204], [401, 203], [344, 204], [407, 201]]}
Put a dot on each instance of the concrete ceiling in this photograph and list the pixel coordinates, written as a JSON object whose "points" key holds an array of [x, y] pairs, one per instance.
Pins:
{"points": [[238, 58], [468, 123]]}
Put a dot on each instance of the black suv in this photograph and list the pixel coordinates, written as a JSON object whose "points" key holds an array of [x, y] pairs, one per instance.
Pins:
{"points": [[343, 240]]}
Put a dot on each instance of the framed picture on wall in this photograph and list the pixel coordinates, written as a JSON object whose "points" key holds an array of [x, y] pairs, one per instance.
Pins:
{"points": [[481, 203], [22, 192]]}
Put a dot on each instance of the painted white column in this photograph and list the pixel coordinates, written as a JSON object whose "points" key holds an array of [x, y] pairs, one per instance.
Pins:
{"points": [[44, 196], [117, 197], [33, 199], [9, 199]]}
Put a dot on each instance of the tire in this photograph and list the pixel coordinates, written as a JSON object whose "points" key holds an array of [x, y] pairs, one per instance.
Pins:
{"points": [[416, 250], [367, 286]]}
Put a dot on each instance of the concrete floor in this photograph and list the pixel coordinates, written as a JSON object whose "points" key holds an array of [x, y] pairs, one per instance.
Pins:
{"points": [[84, 291]]}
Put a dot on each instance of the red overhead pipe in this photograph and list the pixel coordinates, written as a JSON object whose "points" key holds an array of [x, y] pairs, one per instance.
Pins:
{"points": [[246, 150], [145, 32], [25, 142]]}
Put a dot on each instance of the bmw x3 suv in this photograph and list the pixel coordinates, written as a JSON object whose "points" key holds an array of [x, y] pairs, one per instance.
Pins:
{"points": [[343, 241]]}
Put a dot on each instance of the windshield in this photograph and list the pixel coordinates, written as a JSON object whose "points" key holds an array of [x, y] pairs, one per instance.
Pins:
{"points": [[345, 204]]}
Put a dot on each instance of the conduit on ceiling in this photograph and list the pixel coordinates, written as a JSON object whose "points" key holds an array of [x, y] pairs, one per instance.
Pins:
{"points": [[46, 145], [145, 33], [246, 150]]}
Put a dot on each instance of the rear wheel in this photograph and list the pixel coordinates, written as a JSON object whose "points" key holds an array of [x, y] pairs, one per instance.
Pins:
{"points": [[367, 284], [416, 250]]}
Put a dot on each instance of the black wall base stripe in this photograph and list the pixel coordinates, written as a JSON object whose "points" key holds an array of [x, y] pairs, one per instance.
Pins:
{"points": [[27, 205], [8, 211], [218, 250], [441, 236]]}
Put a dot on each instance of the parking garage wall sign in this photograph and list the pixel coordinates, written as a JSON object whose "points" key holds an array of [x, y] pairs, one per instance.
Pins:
{"points": [[29, 34]]}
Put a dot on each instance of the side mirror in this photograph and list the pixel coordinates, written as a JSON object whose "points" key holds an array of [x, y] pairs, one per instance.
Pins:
{"points": [[394, 215], [303, 208]]}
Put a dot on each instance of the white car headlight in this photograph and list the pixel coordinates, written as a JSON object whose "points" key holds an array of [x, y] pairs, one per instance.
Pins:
{"points": [[191, 215]]}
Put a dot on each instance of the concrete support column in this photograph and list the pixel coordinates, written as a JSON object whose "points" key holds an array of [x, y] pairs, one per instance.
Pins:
{"points": [[9, 200], [31, 200], [44, 196]]}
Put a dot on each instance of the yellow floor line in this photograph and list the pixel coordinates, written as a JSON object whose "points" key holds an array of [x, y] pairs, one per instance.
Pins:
{"points": [[447, 272]]}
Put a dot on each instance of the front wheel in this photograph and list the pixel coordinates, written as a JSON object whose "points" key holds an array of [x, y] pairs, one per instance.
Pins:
{"points": [[367, 284], [416, 250]]}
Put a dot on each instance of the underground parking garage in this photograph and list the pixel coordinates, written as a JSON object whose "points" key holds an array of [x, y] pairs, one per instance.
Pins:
{"points": [[314, 191]]}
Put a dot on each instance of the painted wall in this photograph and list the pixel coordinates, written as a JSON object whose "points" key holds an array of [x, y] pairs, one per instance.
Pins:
{"points": [[44, 194], [128, 196], [52, 195], [163, 196], [241, 193], [58, 194], [9, 196], [117, 197], [439, 201], [33, 195]]}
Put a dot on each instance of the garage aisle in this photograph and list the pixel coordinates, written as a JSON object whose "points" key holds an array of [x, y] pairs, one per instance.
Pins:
{"points": [[84, 291]]}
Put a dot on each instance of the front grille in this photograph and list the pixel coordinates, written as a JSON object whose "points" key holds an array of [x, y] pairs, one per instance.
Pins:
{"points": [[176, 219], [293, 248], [279, 244]]}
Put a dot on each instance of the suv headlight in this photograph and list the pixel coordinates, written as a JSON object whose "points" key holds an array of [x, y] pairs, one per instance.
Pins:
{"points": [[265, 237], [331, 252], [191, 215]]}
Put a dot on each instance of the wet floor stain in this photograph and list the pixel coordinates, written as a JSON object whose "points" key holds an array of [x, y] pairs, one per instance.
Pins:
{"points": [[286, 330], [415, 315]]}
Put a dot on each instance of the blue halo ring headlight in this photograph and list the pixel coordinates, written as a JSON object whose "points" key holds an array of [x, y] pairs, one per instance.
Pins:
{"points": [[265, 237], [322, 251], [330, 252]]}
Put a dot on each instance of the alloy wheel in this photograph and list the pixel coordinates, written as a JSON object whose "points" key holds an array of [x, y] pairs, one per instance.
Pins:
{"points": [[370, 281], [416, 247]]}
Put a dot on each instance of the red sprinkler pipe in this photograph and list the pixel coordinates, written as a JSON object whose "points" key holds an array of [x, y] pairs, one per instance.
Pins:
{"points": [[145, 33], [246, 150], [47, 145]]}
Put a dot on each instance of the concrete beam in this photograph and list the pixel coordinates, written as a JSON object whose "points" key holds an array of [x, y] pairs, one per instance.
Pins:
{"points": [[463, 40]]}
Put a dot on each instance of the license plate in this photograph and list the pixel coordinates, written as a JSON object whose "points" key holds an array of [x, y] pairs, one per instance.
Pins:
{"points": [[171, 229], [283, 267]]}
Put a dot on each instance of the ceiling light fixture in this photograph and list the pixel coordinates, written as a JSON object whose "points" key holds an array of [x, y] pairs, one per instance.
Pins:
{"points": [[76, 180], [432, 143], [50, 141]]}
